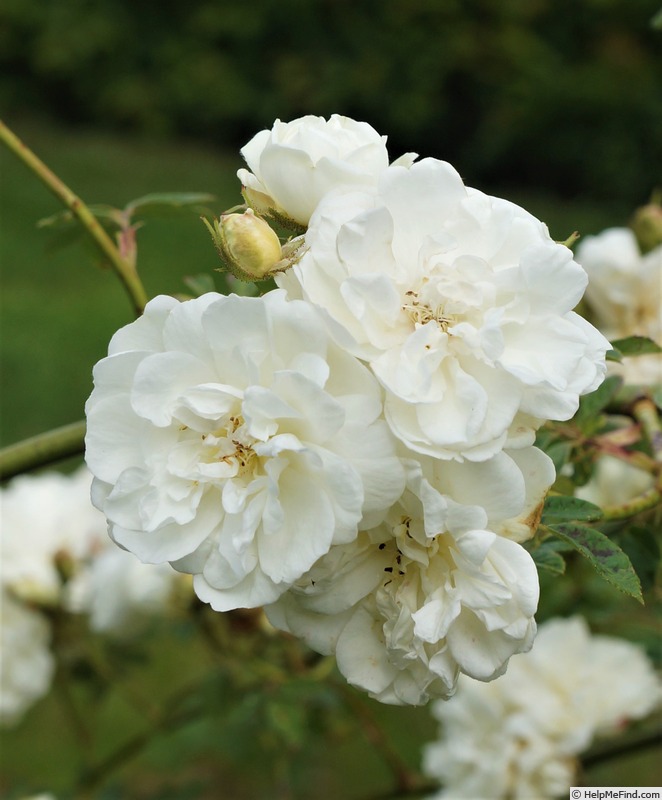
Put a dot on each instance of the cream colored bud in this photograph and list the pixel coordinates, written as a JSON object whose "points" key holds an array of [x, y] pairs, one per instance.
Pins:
{"points": [[250, 248], [647, 226]]}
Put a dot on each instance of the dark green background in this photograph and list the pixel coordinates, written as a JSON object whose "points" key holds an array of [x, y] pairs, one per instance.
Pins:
{"points": [[564, 94]]}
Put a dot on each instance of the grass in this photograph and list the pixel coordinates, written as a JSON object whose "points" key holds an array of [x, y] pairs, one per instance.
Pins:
{"points": [[59, 307]]}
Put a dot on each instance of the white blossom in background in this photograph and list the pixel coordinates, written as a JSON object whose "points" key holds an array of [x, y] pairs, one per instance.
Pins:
{"points": [[43, 796], [26, 663], [51, 529], [614, 482], [293, 165], [460, 302], [520, 735], [119, 593], [231, 437], [437, 589], [46, 517], [625, 295]]}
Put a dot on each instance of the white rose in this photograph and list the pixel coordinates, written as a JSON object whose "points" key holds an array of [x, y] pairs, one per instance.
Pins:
{"points": [[606, 681], [45, 517], [625, 295], [520, 735], [484, 752], [614, 482], [231, 437], [26, 663], [461, 303], [296, 163], [44, 796], [120, 593], [431, 592]]}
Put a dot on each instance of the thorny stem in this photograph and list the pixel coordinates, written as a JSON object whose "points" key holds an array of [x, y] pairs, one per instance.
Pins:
{"points": [[95, 776], [423, 789], [623, 747], [633, 457], [245, 669], [124, 269], [643, 502], [62, 683], [131, 749], [131, 697], [42, 449], [646, 414]]}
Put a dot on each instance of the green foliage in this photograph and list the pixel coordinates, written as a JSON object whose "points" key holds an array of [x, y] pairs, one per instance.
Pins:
{"points": [[510, 92], [590, 406], [604, 554], [200, 284], [636, 346], [547, 556], [560, 508]]}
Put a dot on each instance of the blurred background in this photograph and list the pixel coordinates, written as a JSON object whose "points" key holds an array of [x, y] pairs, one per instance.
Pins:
{"points": [[556, 105]]}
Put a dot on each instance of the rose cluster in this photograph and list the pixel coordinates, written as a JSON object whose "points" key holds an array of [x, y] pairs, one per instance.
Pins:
{"points": [[354, 449], [519, 736]]}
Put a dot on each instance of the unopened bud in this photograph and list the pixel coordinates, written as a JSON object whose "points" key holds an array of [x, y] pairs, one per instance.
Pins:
{"points": [[647, 226], [250, 249]]}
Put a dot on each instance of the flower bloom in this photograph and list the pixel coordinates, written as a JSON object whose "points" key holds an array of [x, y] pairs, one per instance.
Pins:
{"points": [[625, 294], [26, 664], [296, 163], [437, 589], [46, 518], [231, 437], [614, 482], [519, 736], [460, 302], [56, 550], [119, 593]]}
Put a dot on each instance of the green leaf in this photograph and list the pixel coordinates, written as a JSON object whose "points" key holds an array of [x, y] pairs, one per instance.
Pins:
{"points": [[288, 721], [160, 201], [548, 560], [559, 452], [592, 404], [605, 555], [242, 288], [614, 355], [559, 508], [200, 284], [636, 346]]}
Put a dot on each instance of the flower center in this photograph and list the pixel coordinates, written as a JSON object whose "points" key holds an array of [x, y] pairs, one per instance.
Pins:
{"points": [[230, 444], [420, 313], [431, 558]]}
